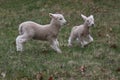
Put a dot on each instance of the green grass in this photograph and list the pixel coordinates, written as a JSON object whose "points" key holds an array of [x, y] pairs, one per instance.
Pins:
{"points": [[101, 58]]}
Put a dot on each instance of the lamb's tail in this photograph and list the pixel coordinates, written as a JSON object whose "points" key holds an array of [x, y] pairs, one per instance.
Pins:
{"points": [[20, 29]]}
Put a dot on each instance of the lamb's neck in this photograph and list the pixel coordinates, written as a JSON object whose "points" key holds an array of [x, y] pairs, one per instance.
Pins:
{"points": [[86, 26], [86, 29], [55, 26]]}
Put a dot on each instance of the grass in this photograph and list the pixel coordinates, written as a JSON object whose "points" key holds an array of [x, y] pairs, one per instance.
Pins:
{"points": [[101, 58]]}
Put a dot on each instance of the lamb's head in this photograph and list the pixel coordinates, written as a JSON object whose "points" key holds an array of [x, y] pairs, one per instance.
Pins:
{"points": [[88, 20], [58, 18]]}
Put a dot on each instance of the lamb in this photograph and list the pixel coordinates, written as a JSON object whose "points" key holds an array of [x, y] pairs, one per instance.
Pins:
{"points": [[82, 32], [30, 30]]}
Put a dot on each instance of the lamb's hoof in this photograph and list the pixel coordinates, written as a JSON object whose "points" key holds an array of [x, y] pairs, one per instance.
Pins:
{"points": [[69, 45], [59, 51], [90, 42], [83, 46], [19, 50]]}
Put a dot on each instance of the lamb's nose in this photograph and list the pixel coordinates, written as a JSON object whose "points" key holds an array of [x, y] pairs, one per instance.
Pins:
{"points": [[65, 22], [93, 25]]}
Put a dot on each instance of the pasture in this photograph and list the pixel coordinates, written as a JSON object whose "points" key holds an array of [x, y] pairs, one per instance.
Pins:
{"points": [[98, 61]]}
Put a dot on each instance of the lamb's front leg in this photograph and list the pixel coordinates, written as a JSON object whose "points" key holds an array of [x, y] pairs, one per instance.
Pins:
{"points": [[82, 41], [90, 38], [55, 45], [85, 41]]}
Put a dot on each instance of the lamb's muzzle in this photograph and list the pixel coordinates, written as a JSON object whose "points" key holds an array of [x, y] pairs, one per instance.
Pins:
{"points": [[49, 32]]}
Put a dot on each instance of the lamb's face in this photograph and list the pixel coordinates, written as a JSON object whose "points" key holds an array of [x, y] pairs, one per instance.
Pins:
{"points": [[59, 18], [89, 20]]}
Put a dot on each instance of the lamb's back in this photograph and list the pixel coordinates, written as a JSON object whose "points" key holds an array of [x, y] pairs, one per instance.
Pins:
{"points": [[77, 29], [35, 30]]}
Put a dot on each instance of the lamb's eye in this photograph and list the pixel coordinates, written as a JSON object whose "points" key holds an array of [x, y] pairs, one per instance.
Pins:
{"points": [[88, 21], [60, 19]]}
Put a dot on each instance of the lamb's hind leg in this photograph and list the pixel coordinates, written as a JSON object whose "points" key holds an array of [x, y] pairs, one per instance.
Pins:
{"points": [[55, 45], [70, 40], [20, 40]]}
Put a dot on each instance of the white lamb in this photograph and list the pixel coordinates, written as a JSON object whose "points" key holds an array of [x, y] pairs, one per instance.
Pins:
{"points": [[82, 32], [31, 30]]}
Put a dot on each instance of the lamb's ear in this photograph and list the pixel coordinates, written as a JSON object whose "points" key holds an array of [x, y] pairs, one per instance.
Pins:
{"points": [[83, 16], [51, 15], [91, 16]]}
